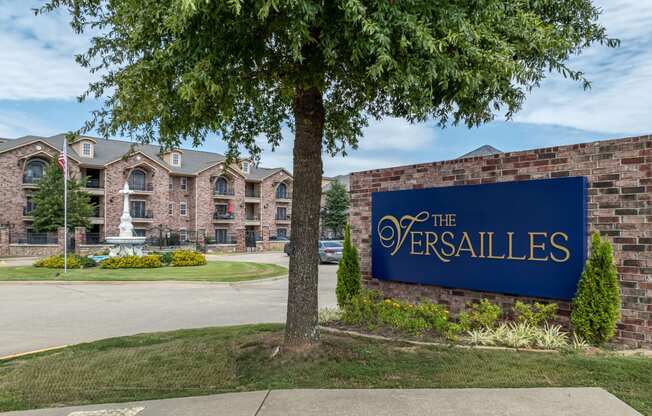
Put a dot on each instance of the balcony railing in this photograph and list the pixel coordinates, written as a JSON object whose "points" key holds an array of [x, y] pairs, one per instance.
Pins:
{"points": [[226, 192], [27, 211], [281, 217], [31, 180], [223, 216], [252, 217], [141, 187], [142, 214], [285, 195], [252, 193], [93, 183]]}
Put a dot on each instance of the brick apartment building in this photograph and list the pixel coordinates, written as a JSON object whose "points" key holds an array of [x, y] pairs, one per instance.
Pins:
{"points": [[184, 191]]}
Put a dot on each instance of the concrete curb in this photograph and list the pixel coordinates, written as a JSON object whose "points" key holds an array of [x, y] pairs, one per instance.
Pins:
{"points": [[131, 282], [24, 354]]}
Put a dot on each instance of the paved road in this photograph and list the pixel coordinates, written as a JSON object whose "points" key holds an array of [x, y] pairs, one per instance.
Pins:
{"points": [[441, 402], [43, 315]]}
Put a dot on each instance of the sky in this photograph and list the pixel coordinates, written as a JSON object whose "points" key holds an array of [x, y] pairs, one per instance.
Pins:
{"points": [[39, 81]]}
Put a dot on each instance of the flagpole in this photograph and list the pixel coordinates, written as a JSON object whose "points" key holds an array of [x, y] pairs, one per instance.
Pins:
{"points": [[65, 205]]}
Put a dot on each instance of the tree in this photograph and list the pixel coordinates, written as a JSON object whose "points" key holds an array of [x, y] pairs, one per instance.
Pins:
{"points": [[172, 70], [49, 206], [348, 271], [596, 306], [336, 207]]}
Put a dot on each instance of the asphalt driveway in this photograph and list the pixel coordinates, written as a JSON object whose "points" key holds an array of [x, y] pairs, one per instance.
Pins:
{"points": [[44, 315]]}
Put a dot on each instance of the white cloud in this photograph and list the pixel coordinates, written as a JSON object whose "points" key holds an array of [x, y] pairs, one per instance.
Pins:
{"points": [[622, 79], [396, 134], [37, 54]]}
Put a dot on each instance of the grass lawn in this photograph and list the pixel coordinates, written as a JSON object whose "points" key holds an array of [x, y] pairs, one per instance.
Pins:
{"points": [[214, 271], [213, 360]]}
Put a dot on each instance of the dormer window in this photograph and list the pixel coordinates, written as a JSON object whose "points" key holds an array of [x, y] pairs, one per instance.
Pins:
{"points": [[87, 149], [176, 159], [245, 166]]}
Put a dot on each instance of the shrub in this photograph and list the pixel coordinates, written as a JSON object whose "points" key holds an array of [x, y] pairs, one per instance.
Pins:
{"points": [[184, 258], [329, 314], [480, 315], [166, 258], [534, 315], [348, 271], [367, 308], [596, 305], [74, 262], [520, 335], [132, 262]]}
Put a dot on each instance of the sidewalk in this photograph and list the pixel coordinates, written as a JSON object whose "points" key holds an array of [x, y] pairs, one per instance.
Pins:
{"points": [[440, 402]]}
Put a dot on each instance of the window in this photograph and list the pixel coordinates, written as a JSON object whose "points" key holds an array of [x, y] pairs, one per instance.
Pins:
{"points": [[171, 184], [282, 232], [137, 180], [176, 159], [137, 209], [86, 149], [34, 171], [281, 213], [220, 236], [30, 206], [245, 166], [139, 232], [221, 186], [183, 235], [183, 208], [171, 208], [184, 183], [282, 191], [220, 209]]}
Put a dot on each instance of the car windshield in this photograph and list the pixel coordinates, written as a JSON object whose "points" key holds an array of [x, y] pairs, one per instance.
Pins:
{"points": [[331, 244]]}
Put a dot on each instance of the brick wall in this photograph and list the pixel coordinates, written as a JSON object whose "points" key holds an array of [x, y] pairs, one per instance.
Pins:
{"points": [[619, 173]]}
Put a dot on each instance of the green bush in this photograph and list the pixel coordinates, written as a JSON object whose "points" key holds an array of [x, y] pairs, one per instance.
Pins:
{"points": [[74, 262], [596, 306], [166, 258], [479, 315], [184, 258], [348, 271], [534, 315], [132, 262], [367, 308]]}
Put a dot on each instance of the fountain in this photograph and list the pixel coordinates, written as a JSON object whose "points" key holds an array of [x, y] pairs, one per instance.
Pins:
{"points": [[126, 244]]}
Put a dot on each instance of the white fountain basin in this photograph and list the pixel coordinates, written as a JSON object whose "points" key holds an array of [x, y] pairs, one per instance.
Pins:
{"points": [[126, 246], [126, 240]]}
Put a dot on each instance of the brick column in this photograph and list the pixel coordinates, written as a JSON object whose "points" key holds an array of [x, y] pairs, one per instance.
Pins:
{"points": [[79, 236], [265, 232], [240, 240], [4, 241], [201, 240], [61, 239]]}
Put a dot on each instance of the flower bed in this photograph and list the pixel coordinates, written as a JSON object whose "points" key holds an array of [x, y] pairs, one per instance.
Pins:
{"points": [[57, 262]]}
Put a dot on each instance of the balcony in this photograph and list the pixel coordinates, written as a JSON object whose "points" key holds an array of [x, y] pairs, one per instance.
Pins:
{"points": [[252, 195], [142, 188], [252, 219], [94, 186], [97, 217], [142, 216], [283, 197], [282, 218], [31, 181], [223, 217], [28, 212], [224, 193]]}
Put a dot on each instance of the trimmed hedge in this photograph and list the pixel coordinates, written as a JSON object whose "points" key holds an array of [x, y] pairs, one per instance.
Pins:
{"points": [[132, 262], [184, 258], [74, 262]]}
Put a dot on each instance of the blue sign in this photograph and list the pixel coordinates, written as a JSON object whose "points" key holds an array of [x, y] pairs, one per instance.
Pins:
{"points": [[522, 238]]}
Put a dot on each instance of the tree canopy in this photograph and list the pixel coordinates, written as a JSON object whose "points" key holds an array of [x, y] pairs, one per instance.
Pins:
{"points": [[182, 69], [336, 207], [49, 206]]}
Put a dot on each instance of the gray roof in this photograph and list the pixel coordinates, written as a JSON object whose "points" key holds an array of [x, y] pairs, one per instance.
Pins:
{"points": [[485, 150], [109, 150], [343, 179]]}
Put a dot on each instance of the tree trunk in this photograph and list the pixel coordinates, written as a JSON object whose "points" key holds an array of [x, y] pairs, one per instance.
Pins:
{"points": [[302, 311]]}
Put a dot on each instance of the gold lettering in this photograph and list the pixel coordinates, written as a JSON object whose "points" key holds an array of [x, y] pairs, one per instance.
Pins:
{"points": [[481, 244], [413, 241], [491, 247], [559, 247], [510, 247], [447, 243], [469, 246], [431, 244], [537, 246]]}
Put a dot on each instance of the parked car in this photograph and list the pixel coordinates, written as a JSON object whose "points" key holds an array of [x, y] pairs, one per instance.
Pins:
{"points": [[330, 251]]}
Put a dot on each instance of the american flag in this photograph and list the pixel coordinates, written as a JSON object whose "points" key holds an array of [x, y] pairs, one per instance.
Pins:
{"points": [[62, 161]]}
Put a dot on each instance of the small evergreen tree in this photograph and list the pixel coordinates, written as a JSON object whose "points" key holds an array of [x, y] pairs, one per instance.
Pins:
{"points": [[48, 201], [596, 306], [348, 271], [336, 208]]}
